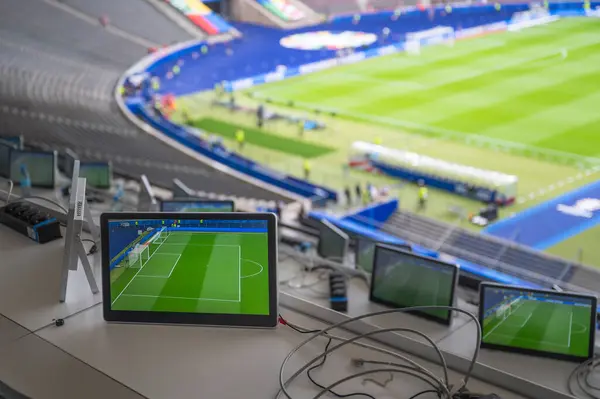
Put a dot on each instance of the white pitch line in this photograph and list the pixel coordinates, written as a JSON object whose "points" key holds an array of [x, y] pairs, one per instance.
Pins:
{"points": [[175, 265], [498, 325], [179, 297], [135, 275], [570, 327], [258, 272], [239, 273]]}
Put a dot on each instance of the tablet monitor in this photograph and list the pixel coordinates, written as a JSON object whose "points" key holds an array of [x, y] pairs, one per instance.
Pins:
{"points": [[191, 205], [66, 161], [16, 141], [403, 279], [545, 323], [190, 268], [364, 253], [41, 166], [97, 174], [333, 242]]}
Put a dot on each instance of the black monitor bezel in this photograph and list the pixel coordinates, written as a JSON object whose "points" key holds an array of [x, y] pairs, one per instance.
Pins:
{"points": [[560, 356], [211, 319], [455, 270], [191, 199]]}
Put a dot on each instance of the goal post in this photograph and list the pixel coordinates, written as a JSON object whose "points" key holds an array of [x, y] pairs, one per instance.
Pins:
{"points": [[160, 236], [438, 35], [138, 256]]}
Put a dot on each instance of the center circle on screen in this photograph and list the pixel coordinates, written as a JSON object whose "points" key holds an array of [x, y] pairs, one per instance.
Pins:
{"points": [[328, 40]]}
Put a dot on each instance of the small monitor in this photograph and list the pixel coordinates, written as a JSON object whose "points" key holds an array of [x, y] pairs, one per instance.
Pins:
{"points": [[66, 162], [97, 174], [41, 166], [5, 149], [333, 242], [365, 253], [190, 205], [190, 268], [403, 279], [544, 323], [16, 141]]}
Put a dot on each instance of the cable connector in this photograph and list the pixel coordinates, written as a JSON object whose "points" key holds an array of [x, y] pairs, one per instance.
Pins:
{"points": [[282, 321]]}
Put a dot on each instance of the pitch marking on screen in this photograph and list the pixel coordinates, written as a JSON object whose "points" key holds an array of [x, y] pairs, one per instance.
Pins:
{"points": [[179, 297], [498, 325], [257, 264]]}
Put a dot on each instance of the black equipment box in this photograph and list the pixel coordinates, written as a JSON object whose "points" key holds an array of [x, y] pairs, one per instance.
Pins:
{"points": [[29, 220]]}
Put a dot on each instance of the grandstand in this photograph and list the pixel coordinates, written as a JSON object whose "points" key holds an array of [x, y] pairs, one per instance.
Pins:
{"points": [[60, 94]]}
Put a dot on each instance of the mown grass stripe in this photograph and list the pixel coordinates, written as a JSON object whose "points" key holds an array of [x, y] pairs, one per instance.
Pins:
{"points": [[263, 139]]}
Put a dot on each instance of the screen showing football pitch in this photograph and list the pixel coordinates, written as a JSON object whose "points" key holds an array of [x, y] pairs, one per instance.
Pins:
{"points": [[192, 266], [402, 279], [532, 321]]}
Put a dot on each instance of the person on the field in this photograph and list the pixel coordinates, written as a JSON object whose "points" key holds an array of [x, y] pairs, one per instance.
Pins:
{"points": [[423, 194], [306, 166], [240, 137], [348, 195]]}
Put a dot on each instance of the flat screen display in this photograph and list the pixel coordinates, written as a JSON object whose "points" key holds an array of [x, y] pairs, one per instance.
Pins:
{"points": [[333, 242], [365, 253], [196, 206], [192, 268], [539, 322], [97, 174], [402, 279], [16, 141], [41, 166], [5, 150]]}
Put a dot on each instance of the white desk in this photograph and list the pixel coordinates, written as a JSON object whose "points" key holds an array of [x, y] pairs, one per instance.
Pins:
{"points": [[88, 358]]}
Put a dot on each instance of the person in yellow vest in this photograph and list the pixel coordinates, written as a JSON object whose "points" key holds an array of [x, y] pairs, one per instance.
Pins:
{"points": [[218, 90], [240, 137], [306, 166], [366, 194], [497, 6], [423, 194], [176, 70]]}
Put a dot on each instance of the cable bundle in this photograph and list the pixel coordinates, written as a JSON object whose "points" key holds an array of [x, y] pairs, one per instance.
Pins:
{"points": [[439, 386], [581, 376]]}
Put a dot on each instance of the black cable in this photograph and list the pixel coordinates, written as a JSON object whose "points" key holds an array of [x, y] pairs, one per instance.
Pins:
{"points": [[424, 392], [323, 360], [93, 249]]}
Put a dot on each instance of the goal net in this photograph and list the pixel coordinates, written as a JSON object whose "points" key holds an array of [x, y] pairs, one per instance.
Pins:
{"points": [[160, 236], [138, 256], [437, 35]]}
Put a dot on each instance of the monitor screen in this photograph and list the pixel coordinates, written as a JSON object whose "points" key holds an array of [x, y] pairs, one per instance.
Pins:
{"points": [[196, 206], [97, 174], [402, 279], [41, 166], [549, 323], [365, 253], [66, 162], [5, 150], [333, 242], [16, 141], [217, 266]]}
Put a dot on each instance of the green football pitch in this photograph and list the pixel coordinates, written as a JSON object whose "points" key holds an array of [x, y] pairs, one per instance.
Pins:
{"points": [[522, 103], [548, 327], [197, 273], [403, 286]]}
